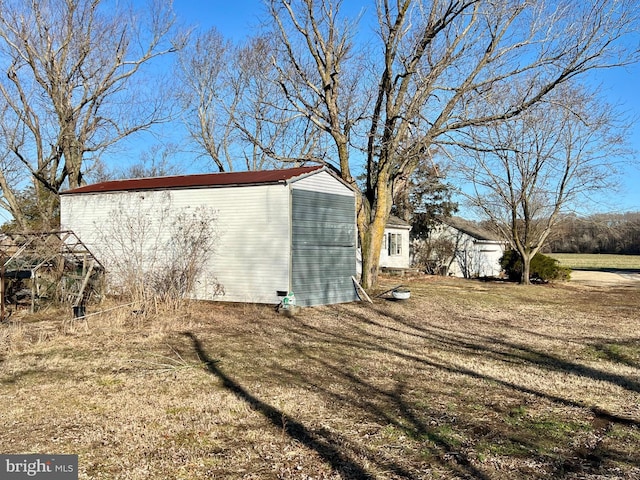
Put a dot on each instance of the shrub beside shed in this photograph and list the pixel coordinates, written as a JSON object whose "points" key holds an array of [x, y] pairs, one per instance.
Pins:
{"points": [[277, 231]]}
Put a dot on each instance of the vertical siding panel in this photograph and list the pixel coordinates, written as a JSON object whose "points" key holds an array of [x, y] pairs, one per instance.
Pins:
{"points": [[324, 247]]}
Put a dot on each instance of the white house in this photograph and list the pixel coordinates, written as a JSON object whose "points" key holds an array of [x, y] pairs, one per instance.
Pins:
{"points": [[395, 244], [278, 231], [477, 251]]}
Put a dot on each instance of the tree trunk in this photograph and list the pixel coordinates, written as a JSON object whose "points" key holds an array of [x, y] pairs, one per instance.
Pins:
{"points": [[371, 241], [13, 203], [72, 152], [526, 269], [371, 224], [49, 206]]}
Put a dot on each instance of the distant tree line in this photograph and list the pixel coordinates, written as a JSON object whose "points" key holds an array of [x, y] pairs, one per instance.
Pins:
{"points": [[599, 233]]}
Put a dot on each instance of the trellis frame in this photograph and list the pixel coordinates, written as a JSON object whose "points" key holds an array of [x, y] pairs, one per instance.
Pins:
{"points": [[24, 255]]}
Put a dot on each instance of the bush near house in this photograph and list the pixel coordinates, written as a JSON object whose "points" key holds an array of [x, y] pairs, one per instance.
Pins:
{"points": [[543, 268], [433, 255]]}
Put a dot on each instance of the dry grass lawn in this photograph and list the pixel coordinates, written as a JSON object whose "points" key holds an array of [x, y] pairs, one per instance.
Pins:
{"points": [[464, 380], [597, 261]]}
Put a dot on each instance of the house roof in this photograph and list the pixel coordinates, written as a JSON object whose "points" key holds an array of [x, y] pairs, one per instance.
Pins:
{"points": [[397, 222], [471, 229], [200, 180]]}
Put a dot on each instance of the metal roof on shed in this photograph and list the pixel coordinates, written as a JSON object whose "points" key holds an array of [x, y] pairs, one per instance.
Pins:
{"points": [[200, 180]]}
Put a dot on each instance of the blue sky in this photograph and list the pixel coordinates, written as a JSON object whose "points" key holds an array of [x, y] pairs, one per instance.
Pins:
{"points": [[237, 18]]}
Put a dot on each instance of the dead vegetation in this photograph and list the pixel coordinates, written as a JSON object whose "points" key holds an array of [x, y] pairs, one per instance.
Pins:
{"points": [[464, 380]]}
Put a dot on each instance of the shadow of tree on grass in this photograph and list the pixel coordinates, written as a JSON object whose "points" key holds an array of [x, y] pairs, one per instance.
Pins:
{"points": [[332, 447], [320, 442], [343, 363], [363, 339]]}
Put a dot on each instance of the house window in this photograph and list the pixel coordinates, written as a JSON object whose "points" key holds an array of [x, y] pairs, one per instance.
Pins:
{"points": [[395, 244]]}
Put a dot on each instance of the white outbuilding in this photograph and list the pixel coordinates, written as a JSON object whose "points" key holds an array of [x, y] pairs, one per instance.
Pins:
{"points": [[277, 231], [477, 252]]}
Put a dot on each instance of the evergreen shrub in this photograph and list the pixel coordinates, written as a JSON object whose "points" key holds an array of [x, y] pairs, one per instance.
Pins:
{"points": [[543, 268]]}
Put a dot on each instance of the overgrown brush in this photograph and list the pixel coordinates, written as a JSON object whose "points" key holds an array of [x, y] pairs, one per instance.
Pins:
{"points": [[156, 255]]}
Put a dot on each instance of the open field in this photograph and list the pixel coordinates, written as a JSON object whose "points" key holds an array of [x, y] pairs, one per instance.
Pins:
{"points": [[584, 261], [465, 380]]}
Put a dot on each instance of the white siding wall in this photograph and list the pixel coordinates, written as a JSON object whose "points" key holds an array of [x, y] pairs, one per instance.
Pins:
{"points": [[394, 260], [490, 254], [251, 261], [322, 182], [473, 258]]}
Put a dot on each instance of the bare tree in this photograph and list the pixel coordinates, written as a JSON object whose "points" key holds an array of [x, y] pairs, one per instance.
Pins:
{"points": [[202, 70], [529, 169], [10, 176], [434, 255], [613, 232], [234, 111], [158, 160], [73, 84], [432, 67]]}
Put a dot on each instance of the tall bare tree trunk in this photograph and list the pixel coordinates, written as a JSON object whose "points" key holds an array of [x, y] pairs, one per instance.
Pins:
{"points": [[72, 152], [371, 236], [12, 202], [371, 224], [526, 270]]}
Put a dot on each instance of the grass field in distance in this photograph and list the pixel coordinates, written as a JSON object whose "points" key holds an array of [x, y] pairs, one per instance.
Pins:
{"points": [[597, 261]]}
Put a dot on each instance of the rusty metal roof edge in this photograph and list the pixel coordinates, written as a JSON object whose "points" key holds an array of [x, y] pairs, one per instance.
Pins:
{"points": [[164, 183]]}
